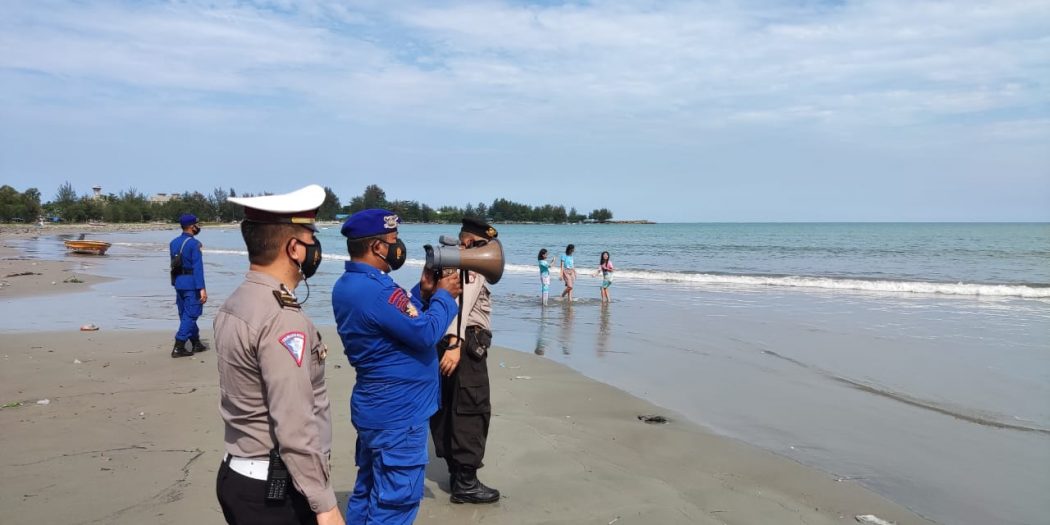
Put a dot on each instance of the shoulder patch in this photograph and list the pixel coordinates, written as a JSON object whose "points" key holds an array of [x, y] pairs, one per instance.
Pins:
{"points": [[400, 299], [295, 343]]}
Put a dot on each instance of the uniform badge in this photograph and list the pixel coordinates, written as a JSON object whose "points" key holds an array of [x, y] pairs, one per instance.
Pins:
{"points": [[401, 301], [390, 222], [286, 298], [295, 343]]}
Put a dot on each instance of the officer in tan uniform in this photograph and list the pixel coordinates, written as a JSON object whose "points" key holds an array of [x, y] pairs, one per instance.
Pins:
{"points": [[461, 425], [273, 397]]}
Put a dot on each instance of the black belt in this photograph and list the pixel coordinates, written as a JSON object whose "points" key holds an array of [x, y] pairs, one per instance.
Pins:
{"points": [[186, 271]]}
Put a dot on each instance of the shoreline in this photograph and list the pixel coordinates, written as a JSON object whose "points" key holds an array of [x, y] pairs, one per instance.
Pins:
{"points": [[564, 448]]}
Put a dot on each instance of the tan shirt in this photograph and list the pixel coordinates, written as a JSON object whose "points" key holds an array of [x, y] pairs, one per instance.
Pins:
{"points": [[477, 305], [271, 385]]}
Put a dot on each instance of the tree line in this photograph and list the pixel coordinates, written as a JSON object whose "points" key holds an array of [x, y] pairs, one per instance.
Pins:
{"points": [[133, 206]]}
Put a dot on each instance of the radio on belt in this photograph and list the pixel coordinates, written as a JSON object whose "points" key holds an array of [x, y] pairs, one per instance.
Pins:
{"points": [[277, 478]]}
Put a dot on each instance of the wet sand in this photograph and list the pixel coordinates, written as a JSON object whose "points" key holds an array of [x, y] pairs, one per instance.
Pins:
{"points": [[128, 434]]}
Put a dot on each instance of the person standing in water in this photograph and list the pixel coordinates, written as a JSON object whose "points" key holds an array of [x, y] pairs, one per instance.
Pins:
{"points": [[545, 275], [605, 267], [568, 271]]}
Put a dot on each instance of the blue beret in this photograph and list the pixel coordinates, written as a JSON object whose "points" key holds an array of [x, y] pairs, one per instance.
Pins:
{"points": [[187, 219], [369, 223]]}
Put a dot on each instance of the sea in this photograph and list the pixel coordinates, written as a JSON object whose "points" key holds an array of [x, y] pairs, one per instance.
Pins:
{"points": [[913, 359]]}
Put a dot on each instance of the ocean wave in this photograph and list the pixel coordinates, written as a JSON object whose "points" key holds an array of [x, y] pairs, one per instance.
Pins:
{"points": [[789, 281], [826, 283]]}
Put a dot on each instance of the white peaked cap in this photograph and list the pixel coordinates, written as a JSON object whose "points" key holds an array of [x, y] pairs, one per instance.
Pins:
{"points": [[297, 207], [306, 198]]}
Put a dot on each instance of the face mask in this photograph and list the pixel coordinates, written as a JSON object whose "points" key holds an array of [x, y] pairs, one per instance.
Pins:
{"points": [[396, 254], [196, 229], [313, 258]]}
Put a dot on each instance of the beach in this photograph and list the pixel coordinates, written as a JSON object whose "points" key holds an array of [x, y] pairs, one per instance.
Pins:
{"points": [[104, 427]]}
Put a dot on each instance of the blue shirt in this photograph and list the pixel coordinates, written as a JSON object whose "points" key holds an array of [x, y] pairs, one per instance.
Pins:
{"points": [[545, 267], [391, 341], [566, 261], [192, 261]]}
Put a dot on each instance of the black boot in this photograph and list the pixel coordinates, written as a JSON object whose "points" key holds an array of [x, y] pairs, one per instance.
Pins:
{"points": [[198, 346], [467, 488], [180, 349]]}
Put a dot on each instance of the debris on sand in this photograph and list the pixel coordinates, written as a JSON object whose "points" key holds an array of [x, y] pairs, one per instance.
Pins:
{"points": [[653, 419], [869, 519]]}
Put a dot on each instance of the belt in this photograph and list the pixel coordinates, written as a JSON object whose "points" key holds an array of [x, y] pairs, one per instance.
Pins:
{"points": [[252, 468]]}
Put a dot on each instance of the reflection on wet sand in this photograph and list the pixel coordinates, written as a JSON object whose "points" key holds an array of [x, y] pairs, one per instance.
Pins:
{"points": [[604, 329], [566, 328], [541, 341]]}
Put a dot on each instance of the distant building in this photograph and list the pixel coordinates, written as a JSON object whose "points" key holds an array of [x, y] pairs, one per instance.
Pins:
{"points": [[98, 192], [161, 198]]}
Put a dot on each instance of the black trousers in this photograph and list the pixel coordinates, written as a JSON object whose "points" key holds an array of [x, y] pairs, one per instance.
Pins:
{"points": [[243, 502], [461, 425]]}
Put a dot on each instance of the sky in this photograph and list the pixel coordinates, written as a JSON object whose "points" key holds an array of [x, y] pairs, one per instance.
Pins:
{"points": [[706, 110]]}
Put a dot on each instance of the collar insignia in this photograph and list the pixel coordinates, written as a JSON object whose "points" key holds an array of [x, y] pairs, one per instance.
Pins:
{"points": [[286, 298]]}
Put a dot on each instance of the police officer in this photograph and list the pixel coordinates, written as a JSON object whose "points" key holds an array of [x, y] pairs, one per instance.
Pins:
{"points": [[390, 338], [187, 276], [273, 397], [461, 426]]}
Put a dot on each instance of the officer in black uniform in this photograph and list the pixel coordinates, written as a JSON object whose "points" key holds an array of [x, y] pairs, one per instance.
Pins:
{"points": [[461, 426]]}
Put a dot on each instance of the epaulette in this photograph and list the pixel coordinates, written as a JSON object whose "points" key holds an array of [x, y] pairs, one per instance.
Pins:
{"points": [[286, 298]]}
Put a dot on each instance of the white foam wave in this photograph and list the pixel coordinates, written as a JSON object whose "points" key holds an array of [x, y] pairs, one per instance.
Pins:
{"points": [[825, 283], [828, 283], [140, 244]]}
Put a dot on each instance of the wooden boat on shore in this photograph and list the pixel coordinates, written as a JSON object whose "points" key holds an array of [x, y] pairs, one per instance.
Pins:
{"points": [[87, 247]]}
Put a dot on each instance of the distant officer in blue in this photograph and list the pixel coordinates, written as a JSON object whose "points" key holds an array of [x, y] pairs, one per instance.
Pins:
{"points": [[187, 276], [390, 338]]}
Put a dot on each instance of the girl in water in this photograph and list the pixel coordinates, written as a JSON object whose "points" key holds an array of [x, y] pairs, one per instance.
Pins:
{"points": [[545, 275], [605, 266], [568, 271]]}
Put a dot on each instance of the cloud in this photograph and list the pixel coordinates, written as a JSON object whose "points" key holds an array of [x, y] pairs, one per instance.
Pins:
{"points": [[480, 64], [602, 77]]}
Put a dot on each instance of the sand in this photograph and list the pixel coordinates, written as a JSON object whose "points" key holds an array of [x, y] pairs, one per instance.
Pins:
{"points": [[129, 435]]}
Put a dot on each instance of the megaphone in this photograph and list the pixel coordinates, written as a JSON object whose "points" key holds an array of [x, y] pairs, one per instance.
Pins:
{"points": [[487, 260]]}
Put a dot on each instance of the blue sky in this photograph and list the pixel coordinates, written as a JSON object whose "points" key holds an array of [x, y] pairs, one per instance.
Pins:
{"points": [[673, 111]]}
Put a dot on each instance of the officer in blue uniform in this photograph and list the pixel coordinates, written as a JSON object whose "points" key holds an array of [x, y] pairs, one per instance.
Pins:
{"points": [[187, 276], [390, 338]]}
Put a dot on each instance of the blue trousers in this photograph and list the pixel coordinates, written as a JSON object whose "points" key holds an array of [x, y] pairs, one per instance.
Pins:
{"points": [[391, 465], [190, 308]]}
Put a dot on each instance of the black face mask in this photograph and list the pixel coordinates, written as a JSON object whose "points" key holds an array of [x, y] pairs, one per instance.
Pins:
{"points": [[196, 229], [396, 253], [313, 258]]}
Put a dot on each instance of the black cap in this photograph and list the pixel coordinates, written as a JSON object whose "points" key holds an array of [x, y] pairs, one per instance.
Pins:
{"points": [[479, 228]]}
